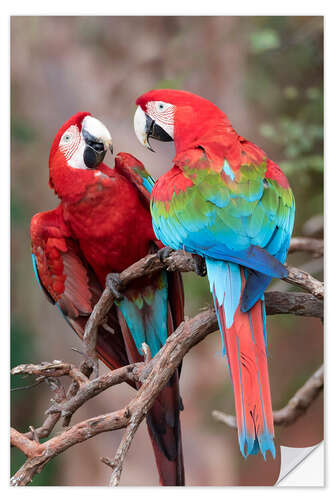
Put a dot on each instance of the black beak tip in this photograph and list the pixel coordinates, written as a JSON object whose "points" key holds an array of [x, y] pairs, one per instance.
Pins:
{"points": [[93, 158], [155, 132]]}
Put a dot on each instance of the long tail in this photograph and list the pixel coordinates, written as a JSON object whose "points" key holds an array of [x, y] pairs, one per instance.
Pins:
{"points": [[244, 342], [148, 318], [165, 433]]}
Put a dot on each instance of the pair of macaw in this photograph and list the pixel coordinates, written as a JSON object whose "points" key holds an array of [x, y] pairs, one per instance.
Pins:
{"points": [[223, 200]]}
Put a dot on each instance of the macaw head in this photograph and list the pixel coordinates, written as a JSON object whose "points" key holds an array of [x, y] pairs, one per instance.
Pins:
{"points": [[80, 144], [176, 115]]}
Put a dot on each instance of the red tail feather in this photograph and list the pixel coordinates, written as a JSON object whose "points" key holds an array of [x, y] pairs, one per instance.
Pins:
{"points": [[246, 352]]}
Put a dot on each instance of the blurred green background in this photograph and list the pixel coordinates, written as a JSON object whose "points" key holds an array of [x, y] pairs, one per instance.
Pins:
{"points": [[266, 73]]}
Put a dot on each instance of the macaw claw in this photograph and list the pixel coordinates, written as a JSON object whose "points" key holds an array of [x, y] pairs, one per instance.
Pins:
{"points": [[199, 265], [164, 253], [113, 283]]}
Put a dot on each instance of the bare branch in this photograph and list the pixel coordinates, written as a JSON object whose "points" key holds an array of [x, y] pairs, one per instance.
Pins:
{"points": [[51, 420], [123, 448], [55, 369], [157, 373], [306, 281], [90, 333], [23, 443], [298, 303], [296, 406], [43, 371], [301, 401], [303, 244], [146, 352], [93, 388], [107, 462], [153, 373], [183, 262], [40, 455], [176, 261]]}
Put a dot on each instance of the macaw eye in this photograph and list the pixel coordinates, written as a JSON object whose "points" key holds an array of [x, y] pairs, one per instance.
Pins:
{"points": [[161, 106], [69, 135], [66, 137]]}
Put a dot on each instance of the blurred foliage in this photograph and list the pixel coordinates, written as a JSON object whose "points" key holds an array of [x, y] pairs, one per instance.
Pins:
{"points": [[286, 76], [169, 84], [21, 131], [18, 211], [265, 39]]}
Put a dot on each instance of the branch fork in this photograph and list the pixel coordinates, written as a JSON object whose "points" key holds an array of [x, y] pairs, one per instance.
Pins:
{"points": [[152, 373]]}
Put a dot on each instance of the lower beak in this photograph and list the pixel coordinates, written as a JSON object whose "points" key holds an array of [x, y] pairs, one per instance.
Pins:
{"points": [[155, 132], [149, 131], [146, 128], [95, 150], [93, 158]]}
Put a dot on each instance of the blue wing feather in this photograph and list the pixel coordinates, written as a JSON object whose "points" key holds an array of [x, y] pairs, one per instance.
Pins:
{"points": [[34, 264]]}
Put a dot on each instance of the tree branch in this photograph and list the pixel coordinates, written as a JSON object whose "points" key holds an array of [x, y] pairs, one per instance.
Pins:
{"points": [[310, 245], [175, 261], [183, 262], [306, 281], [153, 373], [298, 303]]}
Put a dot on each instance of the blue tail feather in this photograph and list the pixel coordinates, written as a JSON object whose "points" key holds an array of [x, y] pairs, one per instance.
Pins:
{"points": [[146, 317], [225, 280]]}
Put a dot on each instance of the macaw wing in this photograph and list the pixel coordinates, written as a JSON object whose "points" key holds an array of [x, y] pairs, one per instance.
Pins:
{"points": [[70, 283], [242, 215], [134, 171], [144, 314]]}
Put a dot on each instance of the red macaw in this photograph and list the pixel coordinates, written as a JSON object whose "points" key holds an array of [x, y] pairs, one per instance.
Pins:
{"points": [[103, 225], [227, 202]]}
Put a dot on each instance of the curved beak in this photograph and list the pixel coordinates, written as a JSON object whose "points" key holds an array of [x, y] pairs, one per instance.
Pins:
{"points": [[145, 128], [98, 140]]}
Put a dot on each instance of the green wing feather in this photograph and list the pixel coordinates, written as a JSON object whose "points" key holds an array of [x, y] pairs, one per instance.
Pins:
{"points": [[224, 211]]}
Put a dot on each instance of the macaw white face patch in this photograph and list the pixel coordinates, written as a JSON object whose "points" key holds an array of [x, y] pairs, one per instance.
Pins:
{"points": [[140, 126], [72, 146], [163, 113]]}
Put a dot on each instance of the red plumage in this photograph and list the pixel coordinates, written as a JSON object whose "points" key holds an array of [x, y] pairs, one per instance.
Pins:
{"points": [[103, 225], [245, 348]]}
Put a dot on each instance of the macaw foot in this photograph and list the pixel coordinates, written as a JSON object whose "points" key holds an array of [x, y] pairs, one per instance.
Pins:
{"points": [[113, 283], [164, 253], [199, 265], [153, 248]]}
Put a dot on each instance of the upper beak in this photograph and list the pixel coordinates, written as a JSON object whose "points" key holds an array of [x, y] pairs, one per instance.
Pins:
{"points": [[145, 127], [98, 140]]}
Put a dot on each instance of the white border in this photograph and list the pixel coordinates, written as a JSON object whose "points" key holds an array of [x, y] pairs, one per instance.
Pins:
{"points": [[149, 7]]}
